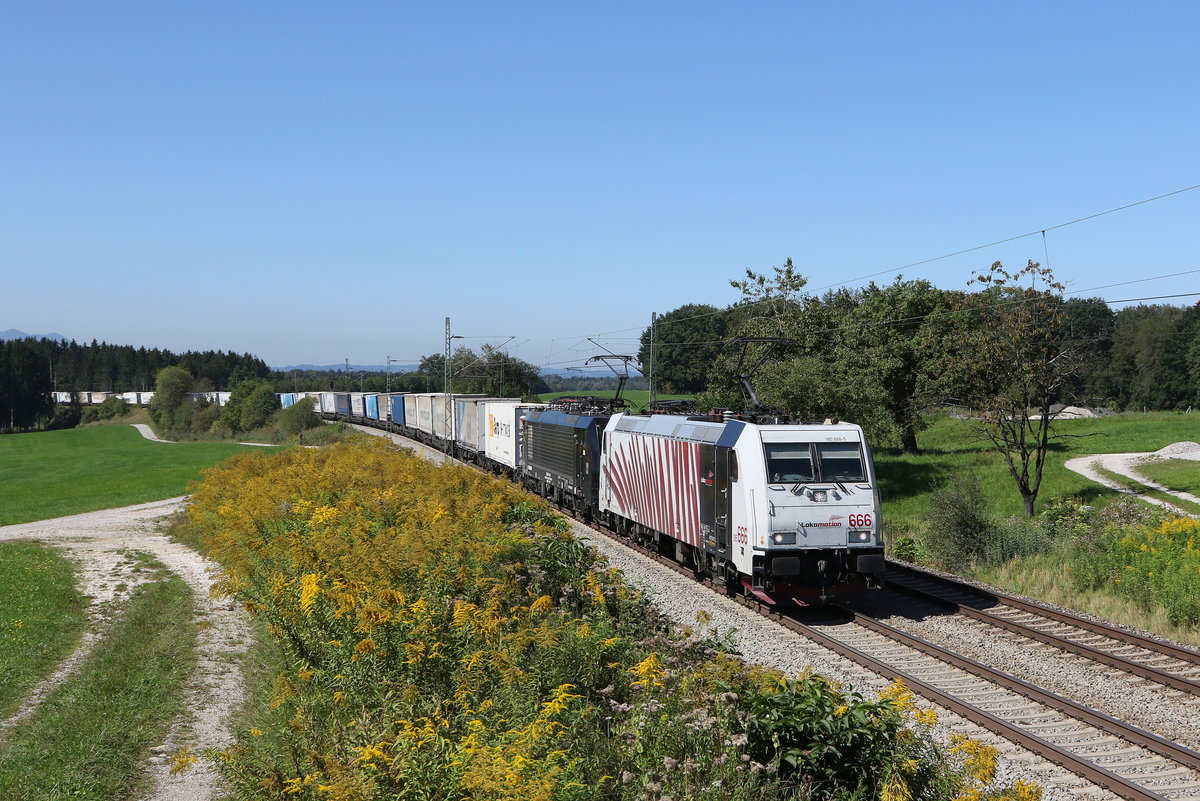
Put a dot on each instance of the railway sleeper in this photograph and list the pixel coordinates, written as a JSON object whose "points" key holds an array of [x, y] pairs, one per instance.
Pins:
{"points": [[1141, 761]]}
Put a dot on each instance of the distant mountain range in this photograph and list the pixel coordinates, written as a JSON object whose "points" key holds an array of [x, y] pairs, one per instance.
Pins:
{"points": [[340, 367], [13, 333]]}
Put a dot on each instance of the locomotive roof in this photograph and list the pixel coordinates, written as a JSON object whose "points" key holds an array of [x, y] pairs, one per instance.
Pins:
{"points": [[726, 432], [560, 418], [669, 425]]}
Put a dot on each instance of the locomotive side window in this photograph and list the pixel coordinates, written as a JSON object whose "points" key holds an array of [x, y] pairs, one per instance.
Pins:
{"points": [[733, 468], [841, 462], [788, 462]]}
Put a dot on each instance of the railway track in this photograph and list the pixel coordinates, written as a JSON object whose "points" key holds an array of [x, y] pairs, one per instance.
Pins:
{"points": [[1124, 760], [1147, 657], [1113, 755]]}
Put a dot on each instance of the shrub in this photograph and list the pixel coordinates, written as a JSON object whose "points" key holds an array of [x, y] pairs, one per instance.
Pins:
{"points": [[960, 529], [65, 415], [908, 548], [111, 408], [299, 417], [1017, 537], [258, 407], [250, 405], [1156, 564], [171, 388]]}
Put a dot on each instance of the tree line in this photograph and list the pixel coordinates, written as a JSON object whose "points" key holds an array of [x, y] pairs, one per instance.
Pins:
{"points": [[31, 369], [876, 350], [1006, 352]]}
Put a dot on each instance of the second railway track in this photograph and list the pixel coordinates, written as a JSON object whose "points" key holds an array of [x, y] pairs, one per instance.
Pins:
{"points": [[1135, 653], [1109, 754]]}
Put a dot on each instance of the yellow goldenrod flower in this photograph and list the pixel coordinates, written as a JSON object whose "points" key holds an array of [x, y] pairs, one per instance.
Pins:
{"points": [[649, 672], [183, 760], [309, 587]]}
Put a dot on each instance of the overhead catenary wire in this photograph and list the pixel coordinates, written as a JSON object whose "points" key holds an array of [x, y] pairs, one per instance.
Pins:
{"points": [[922, 262], [579, 348]]}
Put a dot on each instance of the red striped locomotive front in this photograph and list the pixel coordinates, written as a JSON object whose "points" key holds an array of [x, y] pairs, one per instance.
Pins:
{"points": [[790, 512]]}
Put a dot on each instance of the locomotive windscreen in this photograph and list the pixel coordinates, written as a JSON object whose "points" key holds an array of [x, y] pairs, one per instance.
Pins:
{"points": [[841, 462], [789, 463], [794, 463]]}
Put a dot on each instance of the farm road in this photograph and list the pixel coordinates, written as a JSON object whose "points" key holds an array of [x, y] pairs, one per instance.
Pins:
{"points": [[1125, 464], [102, 544], [148, 432]]}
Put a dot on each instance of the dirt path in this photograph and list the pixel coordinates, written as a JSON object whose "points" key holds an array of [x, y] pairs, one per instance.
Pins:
{"points": [[148, 432], [102, 544], [1125, 464]]}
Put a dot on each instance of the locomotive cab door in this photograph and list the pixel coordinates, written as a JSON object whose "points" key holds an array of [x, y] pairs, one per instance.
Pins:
{"points": [[708, 495], [725, 474]]}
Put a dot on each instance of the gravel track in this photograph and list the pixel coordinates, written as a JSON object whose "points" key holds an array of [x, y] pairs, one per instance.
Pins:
{"points": [[1126, 464], [103, 544]]}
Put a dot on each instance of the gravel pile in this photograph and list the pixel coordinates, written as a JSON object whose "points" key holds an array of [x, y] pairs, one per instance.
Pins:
{"points": [[1180, 450]]}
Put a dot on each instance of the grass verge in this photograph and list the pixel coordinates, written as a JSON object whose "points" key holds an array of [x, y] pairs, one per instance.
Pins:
{"points": [[54, 473], [1148, 491], [41, 617], [1041, 577], [90, 738]]}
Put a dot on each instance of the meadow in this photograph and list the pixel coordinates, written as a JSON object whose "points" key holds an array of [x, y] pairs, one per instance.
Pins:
{"points": [[41, 616], [55, 473], [1092, 548], [1178, 474], [949, 446]]}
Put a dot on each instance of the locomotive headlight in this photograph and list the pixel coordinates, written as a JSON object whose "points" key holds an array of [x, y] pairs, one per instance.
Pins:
{"points": [[860, 536], [784, 538]]}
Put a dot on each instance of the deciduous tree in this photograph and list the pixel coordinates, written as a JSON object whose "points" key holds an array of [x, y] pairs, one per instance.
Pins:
{"points": [[171, 388], [1006, 361], [686, 341]]}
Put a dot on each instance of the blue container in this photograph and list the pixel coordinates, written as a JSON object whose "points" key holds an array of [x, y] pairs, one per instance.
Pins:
{"points": [[396, 402]]}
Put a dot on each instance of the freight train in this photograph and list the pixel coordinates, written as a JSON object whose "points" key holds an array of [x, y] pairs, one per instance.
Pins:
{"points": [[786, 512]]}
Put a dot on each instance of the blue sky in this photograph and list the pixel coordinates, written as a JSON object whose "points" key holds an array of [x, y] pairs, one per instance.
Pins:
{"points": [[311, 182]]}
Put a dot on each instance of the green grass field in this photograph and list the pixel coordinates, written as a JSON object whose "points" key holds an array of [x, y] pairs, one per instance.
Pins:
{"points": [[949, 446], [1177, 474], [54, 473], [91, 736], [41, 617]]}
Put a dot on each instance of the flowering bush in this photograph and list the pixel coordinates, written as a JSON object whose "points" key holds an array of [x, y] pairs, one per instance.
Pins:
{"points": [[447, 639], [1154, 562]]}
